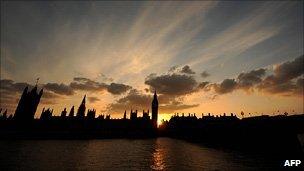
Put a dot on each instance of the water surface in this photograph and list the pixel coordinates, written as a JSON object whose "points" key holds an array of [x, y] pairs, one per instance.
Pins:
{"points": [[120, 154]]}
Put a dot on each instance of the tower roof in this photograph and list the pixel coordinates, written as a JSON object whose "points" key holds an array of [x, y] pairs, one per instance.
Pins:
{"points": [[34, 90], [155, 97], [84, 99]]}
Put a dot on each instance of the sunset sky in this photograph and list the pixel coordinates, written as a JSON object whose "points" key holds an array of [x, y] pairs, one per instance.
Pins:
{"points": [[200, 56]]}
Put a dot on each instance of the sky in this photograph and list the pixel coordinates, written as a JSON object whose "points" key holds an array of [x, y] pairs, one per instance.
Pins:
{"points": [[200, 56]]}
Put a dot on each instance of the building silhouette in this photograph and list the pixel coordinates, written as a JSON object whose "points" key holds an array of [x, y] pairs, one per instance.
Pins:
{"points": [[46, 114], [154, 107], [28, 104], [146, 115], [133, 115], [91, 114], [82, 108]]}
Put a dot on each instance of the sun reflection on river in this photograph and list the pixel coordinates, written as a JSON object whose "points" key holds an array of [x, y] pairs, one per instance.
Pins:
{"points": [[158, 159]]}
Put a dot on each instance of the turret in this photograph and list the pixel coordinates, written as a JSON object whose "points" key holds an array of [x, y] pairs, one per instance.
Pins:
{"points": [[71, 114], [5, 114], [82, 108], [125, 115], [24, 91], [41, 92], [63, 113], [34, 90]]}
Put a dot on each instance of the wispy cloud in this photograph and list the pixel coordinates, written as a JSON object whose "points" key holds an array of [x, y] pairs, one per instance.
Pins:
{"points": [[241, 36]]}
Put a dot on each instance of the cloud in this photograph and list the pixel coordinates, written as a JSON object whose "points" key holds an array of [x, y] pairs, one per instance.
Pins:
{"points": [[9, 85], [93, 99], [133, 100], [137, 100], [85, 84], [116, 88], [173, 69], [172, 84], [175, 106], [202, 85], [288, 70], [50, 98], [59, 88], [7, 98], [171, 88], [11, 91], [187, 70], [248, 80], [226, 86], [105, 78], [241, 36], [286, 79], [50, 95], [181, 70], [205, 74], [299, 87]]}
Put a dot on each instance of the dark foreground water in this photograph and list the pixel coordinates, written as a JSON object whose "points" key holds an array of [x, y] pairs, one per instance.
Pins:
{"points": [[121, 154]]}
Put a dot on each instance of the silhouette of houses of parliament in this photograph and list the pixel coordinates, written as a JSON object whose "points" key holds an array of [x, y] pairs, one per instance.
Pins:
{"points": [[29, 101], [91, 113], [71, 124]]}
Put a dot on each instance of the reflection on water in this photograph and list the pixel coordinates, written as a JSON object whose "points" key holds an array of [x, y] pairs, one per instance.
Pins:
{"points": [[119, 154], [158, 160]]}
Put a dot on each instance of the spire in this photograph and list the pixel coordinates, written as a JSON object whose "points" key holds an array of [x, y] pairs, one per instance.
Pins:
{"points": [[36, 85], [25, 90], [41, 92], [34, 90], [82, 108], [71, 114], [125, 115], [155, 97], [154, 107], [84, 99], [37, 81], [5, 114]]}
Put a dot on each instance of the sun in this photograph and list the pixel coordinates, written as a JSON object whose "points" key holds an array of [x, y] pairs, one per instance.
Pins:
{"points": [[159, 123], [161, 117]]}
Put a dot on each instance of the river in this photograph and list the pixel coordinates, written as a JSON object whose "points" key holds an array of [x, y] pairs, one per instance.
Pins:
{"points": [[121, 154]]}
